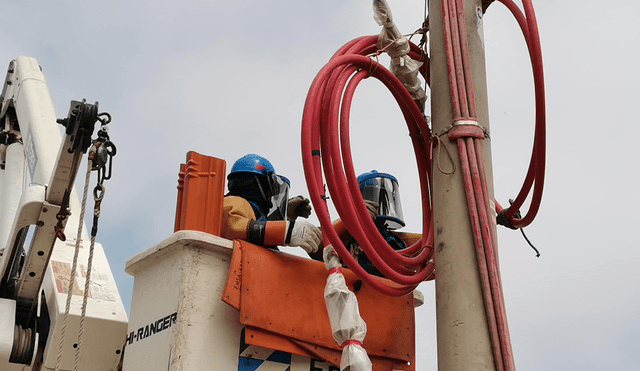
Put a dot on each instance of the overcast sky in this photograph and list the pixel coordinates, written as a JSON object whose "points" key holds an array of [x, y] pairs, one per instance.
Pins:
{"points": [[226, 78]]}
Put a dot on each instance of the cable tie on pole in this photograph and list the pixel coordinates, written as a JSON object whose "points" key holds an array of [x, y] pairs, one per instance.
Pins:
{"points": [[502, 220], [335, 270], [462, 122], [467, 128], [464, 127]]}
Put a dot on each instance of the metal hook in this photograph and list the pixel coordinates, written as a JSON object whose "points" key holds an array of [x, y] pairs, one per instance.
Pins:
{"points": [[104, 120], [98, 192]]}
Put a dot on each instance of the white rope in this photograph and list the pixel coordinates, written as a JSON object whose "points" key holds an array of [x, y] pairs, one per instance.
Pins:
{"points": [[73, 270], [96, 213]]}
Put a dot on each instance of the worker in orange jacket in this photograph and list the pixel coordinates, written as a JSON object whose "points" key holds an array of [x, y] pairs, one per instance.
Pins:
{"points": [[257, 207]]}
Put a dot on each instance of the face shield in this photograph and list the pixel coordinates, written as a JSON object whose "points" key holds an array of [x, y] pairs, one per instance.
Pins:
{"points": [[383, 189], [279, 197]]}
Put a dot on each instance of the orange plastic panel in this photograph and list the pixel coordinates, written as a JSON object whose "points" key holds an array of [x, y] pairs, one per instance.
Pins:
{"points": [[266, 339], [200, 199], [180, 197], [231, 292], [284, 294]]}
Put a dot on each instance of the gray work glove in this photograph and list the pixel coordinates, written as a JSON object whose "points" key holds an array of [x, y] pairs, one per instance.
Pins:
{"points": [[372, 208], [298, 206]]}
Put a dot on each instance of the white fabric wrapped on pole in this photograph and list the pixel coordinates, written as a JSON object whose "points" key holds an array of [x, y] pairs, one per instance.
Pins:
{"points": [[349, 329], [397, 46]]}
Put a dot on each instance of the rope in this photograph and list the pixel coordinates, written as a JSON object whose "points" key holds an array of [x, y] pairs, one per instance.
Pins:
{"points": [[73, 271], [85, 296], [436, 141]]}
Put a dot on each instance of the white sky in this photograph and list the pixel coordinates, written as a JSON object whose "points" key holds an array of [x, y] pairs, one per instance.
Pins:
{"points": [[226, 78]]}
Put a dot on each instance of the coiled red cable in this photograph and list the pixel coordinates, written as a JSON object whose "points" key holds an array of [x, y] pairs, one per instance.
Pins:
{"points": [[326, 146]]}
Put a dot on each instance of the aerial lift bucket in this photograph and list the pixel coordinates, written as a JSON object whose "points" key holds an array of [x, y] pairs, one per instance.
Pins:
{"points": [[202, 302]]}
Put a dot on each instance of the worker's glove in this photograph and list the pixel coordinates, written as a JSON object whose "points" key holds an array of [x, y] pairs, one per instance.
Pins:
{"points": [[303, 234], [298, 206], [372, 208]]}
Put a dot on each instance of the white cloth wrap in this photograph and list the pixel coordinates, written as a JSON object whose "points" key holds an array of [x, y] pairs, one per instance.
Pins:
{"points": [[405, 68], [346, 323]]}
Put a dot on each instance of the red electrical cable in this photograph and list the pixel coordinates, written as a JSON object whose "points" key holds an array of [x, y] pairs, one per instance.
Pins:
{"points": [[326, 147], [334, 177], [535, 173], [325, 131], [472, 163], [463, 106]]}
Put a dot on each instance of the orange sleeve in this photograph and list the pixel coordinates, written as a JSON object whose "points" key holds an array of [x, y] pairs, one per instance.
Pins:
{"points": [[343, 234], [236, 214], [275, 232], [341, 230]]}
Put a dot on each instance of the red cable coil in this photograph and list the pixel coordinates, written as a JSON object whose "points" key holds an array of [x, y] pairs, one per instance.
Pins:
{"points": [[330, 83], [325, 131]]}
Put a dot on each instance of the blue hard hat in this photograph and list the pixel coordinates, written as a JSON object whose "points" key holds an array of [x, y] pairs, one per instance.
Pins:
{"points": [[254, 178], [252, 163], [374, 174]]}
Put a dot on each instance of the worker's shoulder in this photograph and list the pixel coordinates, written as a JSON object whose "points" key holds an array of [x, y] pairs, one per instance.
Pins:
{"points": [[234, 199], [235, 202], [238, 205]]}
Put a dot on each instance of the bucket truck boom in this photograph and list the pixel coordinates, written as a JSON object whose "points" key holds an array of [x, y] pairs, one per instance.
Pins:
{"points": [[34, 279]]}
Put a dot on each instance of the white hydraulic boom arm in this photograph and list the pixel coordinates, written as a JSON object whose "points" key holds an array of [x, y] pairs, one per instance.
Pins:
{"points": [[37, 277]]}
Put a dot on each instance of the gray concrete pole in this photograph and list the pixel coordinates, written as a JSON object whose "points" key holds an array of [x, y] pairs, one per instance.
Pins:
{"points": [[462, 332]]}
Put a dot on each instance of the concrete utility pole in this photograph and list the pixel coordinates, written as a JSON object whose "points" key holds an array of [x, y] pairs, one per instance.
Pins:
{"points": [[462, 332]]}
